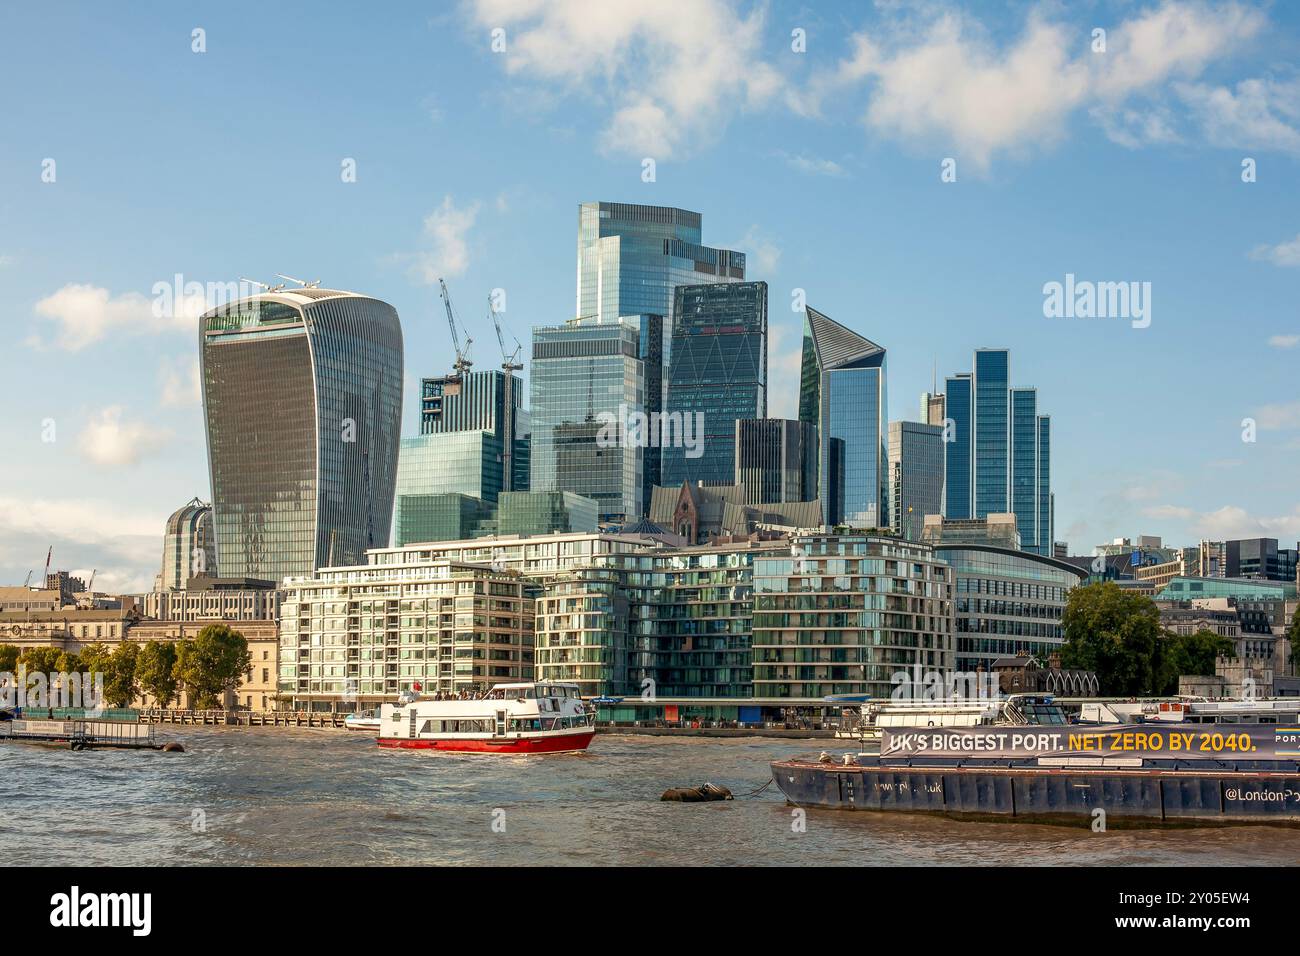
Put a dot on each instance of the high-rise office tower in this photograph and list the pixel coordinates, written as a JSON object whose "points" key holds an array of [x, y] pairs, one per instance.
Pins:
{"points": [[632, 257], [776, 460], [842, 391], [999, 453], [916, 462], [302, 395], [718, 375], [593, 383], [992, 417], [189, 547]]}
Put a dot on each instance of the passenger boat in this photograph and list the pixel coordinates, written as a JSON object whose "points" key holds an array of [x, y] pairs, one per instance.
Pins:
{"points": [[367, 720], [1128, 774], [1194, 710], [538, 718]]}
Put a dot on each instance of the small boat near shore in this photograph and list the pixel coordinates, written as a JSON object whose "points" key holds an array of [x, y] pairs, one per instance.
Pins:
{"points": [[366, 720], [1129, 774], [530, 718]]}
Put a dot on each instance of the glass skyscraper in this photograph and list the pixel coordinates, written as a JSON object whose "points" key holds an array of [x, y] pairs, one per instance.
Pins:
{"points": [[632, 257], [718, 375], [589, 379], [302, 398], [842, 391], [992, 428], [957, 470], [999, 458], [776, 460], [916, 460]]}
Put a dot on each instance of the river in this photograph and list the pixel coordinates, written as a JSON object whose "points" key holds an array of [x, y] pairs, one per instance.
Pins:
{"points": [[269, 796]]}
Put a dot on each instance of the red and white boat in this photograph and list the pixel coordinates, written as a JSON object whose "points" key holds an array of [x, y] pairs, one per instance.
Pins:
{"points": [[539, 718]]}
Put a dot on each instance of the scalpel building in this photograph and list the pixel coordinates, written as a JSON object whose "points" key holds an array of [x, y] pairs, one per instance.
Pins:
{"points": [[302, 398]]}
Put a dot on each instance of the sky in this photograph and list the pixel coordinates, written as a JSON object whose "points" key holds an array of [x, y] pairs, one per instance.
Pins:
{"points": [[921, 171]]}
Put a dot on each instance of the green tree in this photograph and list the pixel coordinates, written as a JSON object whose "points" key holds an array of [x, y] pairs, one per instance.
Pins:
{"points": [[120, 686], [94, 659], [9, 655], [1114, 632], [212, 664], [155, 669], [42, 659], [1189, 654], [1293, 632]]}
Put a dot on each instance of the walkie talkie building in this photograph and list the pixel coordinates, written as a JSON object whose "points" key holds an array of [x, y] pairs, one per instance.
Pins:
{"points": [[302, 398]]}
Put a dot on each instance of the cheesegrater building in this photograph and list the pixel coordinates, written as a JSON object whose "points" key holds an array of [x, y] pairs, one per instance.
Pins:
{"points": [[302, 400]]}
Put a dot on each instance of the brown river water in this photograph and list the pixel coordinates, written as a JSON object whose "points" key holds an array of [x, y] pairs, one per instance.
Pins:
{"points": [[269, 796]]}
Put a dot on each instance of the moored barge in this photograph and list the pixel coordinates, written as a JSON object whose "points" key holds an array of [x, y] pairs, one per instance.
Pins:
{"points": [[1232, 774]]}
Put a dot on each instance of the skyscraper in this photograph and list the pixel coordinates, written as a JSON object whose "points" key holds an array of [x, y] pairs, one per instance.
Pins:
{"points": [[631, 257], [842, 392], [188, 546], [915, 476], [776, 460], [302, 397], [958, 403], [590, 381], [992, 418], [999, 455], [718, 375]]}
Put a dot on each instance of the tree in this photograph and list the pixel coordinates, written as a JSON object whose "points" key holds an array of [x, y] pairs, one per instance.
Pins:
{"points": [[1293, 632], [94, 659], [9, 655], [155, 669], [212, 664], [1188, 654], [41, 659], [120, 687], [1114, 632]]}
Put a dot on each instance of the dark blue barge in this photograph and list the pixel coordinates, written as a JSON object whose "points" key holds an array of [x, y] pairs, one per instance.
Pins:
{"points": [[1146, 789]]}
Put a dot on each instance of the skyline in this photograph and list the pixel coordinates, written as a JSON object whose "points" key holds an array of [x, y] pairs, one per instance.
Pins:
{"points": [[1139, 180]]}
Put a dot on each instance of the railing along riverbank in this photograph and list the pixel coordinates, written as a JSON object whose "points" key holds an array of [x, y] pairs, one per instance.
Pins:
{"points": [[241, 718]]}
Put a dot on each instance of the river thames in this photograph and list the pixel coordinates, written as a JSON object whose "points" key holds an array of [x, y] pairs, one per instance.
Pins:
{"points": [[269, 796]]}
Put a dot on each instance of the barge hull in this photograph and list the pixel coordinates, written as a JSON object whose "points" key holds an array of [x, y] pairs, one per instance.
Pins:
{"points": [[1052, 795]]}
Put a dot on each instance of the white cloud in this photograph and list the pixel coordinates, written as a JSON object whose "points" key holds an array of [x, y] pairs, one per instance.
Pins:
{"points": [[944, 82], [447, 228], [785, 363], [816, 166], [673, 73], [109, 440], [85, 533], [1284, 341], [1258, 114], [1278, 416], [1136, 128], [762, 254], [84, 314], [180, 383], [1285, 254]]}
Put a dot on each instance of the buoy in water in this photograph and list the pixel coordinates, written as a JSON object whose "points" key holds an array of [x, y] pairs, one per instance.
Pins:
{"points": [[703, 794], [172, 747]]}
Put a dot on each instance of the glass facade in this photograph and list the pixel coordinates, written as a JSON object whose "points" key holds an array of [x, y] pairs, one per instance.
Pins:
{"points": [[1024, 464], [718, 375], [188, 546], [587, 378], [776, 460], [1007, 603], [957, 472], [476, 402], [845, 614], [992, 430], [1045, 500], [916, 461], [545, 512], [843, 391], [302, 395]]}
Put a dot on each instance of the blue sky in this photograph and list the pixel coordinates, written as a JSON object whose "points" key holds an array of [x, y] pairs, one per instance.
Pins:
{"points": [[823, 165]]}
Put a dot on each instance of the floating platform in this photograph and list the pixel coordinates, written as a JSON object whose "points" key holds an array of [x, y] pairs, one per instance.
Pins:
{"points": [[1260, 784], [81, 734]]}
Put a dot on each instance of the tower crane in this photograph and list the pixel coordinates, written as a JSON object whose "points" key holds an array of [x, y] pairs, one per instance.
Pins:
{"points": [[462, 362], [509, 365]]}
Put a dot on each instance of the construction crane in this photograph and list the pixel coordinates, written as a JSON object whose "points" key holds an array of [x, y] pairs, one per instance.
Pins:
{"points": [[509, 364], [463, 362]]}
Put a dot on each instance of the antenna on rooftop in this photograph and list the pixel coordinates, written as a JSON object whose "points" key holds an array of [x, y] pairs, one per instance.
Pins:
{"points": [[313, 284]]}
